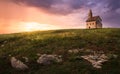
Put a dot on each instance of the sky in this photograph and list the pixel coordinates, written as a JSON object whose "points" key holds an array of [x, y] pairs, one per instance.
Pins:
{"points": [[30, 15]]}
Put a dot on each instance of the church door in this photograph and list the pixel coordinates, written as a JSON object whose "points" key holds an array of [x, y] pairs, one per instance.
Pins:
{"points": [[89, 27]]}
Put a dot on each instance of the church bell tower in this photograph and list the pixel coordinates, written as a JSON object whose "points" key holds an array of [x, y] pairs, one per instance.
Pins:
{"points": [[90, 15]]}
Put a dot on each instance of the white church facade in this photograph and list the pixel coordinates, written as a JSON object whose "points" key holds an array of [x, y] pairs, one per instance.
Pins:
{"points": [[93, 21]]}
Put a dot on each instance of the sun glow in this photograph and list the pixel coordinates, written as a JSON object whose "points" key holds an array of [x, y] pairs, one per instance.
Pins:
{"points": [[33, 26]]}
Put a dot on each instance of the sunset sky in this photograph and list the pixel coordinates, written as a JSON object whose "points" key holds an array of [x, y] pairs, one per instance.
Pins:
{"points": [[30, 15]]}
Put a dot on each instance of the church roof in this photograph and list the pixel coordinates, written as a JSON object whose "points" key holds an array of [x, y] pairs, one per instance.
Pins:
{"points": [[95, 18]]}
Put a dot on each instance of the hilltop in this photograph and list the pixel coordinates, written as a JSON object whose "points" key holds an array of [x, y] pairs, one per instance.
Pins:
{"points": [[29, 44]]}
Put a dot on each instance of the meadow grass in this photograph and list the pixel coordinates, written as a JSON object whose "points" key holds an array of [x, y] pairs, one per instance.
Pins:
{"points": [[59, 42]]}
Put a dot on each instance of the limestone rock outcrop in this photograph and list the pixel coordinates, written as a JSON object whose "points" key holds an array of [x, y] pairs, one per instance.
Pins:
{"points": [[96, 59], [17, 64], [48, 59]]}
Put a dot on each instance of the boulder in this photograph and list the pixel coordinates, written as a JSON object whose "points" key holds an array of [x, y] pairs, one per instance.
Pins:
{"points": [[96, 60], [17, 64], [48, 59]]}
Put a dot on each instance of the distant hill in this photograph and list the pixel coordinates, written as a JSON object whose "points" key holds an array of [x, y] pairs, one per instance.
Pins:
{"points": [[59, 42]]}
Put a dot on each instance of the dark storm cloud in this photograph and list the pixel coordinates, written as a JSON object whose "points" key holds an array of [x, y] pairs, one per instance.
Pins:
{"points": [[109, 9], [36, 3], [54, 5], [114, 4], [112, 16], [73, 4]]}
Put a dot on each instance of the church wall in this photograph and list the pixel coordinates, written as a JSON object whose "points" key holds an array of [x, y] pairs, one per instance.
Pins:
{"points": [[99, 25], [91, 25]]}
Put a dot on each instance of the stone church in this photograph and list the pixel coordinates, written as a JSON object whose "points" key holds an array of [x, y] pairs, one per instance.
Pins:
{"points": [[93, 21]]}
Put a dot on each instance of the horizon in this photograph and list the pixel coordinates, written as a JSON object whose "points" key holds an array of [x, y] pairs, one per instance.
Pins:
{"points": [[36, 15], [56, 30]]}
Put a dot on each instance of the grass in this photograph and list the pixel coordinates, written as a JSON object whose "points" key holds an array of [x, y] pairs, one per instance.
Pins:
{"points": [[59, 42]]}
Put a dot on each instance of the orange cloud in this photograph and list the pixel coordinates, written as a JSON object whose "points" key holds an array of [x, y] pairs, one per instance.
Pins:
{"points": [[12, 14]]}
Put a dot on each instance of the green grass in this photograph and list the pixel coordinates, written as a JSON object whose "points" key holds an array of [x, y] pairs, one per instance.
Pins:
{"points": [[59, 42]]}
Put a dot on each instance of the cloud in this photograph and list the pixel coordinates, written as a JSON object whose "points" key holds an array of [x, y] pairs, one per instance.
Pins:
{"points": [[107, 9], [112, 14], [113, 4], [53, 6]]}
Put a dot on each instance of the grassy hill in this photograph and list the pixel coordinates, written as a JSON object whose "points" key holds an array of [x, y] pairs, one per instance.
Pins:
{"points": [[59, 42]]}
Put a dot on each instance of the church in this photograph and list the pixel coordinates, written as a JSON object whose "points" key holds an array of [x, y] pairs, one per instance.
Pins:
{"points": [[93, 21]]}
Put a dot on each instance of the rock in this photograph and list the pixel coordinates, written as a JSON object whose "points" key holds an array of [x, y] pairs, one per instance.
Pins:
{"points": [[17, 64], [38, 54], [26, 59], [89, 50], [97, 66], [103, 56], [9, 55], [75, 50], [112, 56], [59, 59], [5, 41], [96, 60], [2, 45], [48, 59], [115, 56]]}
